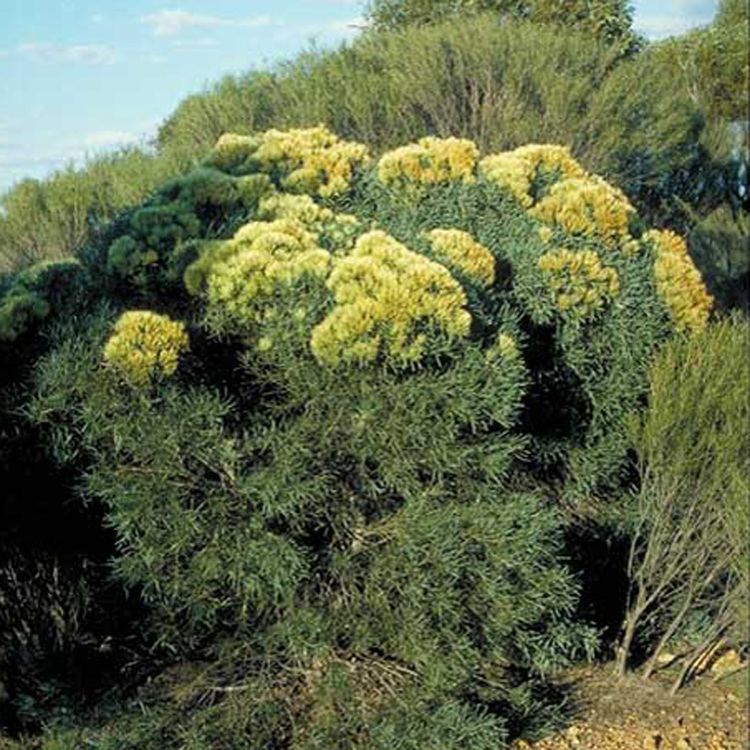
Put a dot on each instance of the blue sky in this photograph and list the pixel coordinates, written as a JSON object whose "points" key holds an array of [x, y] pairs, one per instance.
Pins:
{"points": [[81, 76]]}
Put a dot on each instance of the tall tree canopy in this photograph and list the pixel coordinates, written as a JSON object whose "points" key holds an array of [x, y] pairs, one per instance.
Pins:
{"points": [[610, 20]]}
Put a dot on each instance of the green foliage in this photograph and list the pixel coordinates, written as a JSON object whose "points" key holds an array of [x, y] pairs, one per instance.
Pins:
{"points": [[34, 293], [719, 244], [51, 219], [156, 247], [609, 20], [690, 548]]}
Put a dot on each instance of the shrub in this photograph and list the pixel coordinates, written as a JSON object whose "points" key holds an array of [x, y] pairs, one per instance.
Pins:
{"points": [[342, 501], [719, 244], [51, 219], [689, 551], [32, 295]]}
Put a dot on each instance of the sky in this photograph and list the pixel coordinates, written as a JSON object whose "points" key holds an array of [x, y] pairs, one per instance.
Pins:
{"points": [[80, 77]]}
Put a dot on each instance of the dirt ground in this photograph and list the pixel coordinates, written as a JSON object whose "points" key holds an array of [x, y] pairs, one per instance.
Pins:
{"points": [[640, 715]]}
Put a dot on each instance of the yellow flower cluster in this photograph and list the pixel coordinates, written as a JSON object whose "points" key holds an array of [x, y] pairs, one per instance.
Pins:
{"points": [[387, 300], [266, 255], [429, 161], [340, 230], [232, 148], [517, 169], [589, 206], [314, 160], [459, 250], [679, 282], [578, 280], [145, 345]]}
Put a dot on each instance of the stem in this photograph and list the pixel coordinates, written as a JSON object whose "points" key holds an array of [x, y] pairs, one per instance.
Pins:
{"points": [[623, 650]]}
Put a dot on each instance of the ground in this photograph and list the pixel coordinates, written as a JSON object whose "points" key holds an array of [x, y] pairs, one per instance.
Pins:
{"points": [[640, 715]]}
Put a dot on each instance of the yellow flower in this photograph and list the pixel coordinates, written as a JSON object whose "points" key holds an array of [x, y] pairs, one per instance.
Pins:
{"points": [[587, 206], [516, 170], [339, 231], [545, 234], [266, 255], [679, 282], [461, 251], [429, 161], [313, 160], [232, 149], [388, 300], [145, 345], [579, 283], [503, 347]]}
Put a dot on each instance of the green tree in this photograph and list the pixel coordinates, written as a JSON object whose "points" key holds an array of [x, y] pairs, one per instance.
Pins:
{"points": [[609, 20]]}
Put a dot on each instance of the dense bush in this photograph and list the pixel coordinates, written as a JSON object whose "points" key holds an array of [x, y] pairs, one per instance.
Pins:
{"points": [[332, 450]]}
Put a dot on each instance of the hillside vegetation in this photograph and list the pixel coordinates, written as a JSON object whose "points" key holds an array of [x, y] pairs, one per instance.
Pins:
{"points": [[654, 122]]}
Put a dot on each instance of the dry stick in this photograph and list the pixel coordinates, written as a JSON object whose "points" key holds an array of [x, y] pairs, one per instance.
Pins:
{"points": [[709, 646], [704, 651], [690, 598]]}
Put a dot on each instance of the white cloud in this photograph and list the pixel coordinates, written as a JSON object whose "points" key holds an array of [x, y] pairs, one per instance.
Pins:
{"points": [[87, 54], [174, 22]]}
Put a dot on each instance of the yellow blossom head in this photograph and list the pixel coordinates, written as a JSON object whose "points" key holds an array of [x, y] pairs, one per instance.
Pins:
{"points": [[145, 346], [232, 149], [335, 231], [579, 282], [518, 170], [459, 250], [390, 301], [266, 255], [430, 161], [587, 206], [679, 282], [311, 160]]}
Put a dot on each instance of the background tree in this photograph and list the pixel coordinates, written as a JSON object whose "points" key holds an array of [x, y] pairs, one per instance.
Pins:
{"points": [[610, 21]]}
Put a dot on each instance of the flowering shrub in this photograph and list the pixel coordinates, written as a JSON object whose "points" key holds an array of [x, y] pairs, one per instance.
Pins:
{"points": [[330, 497], [145, 346]]}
